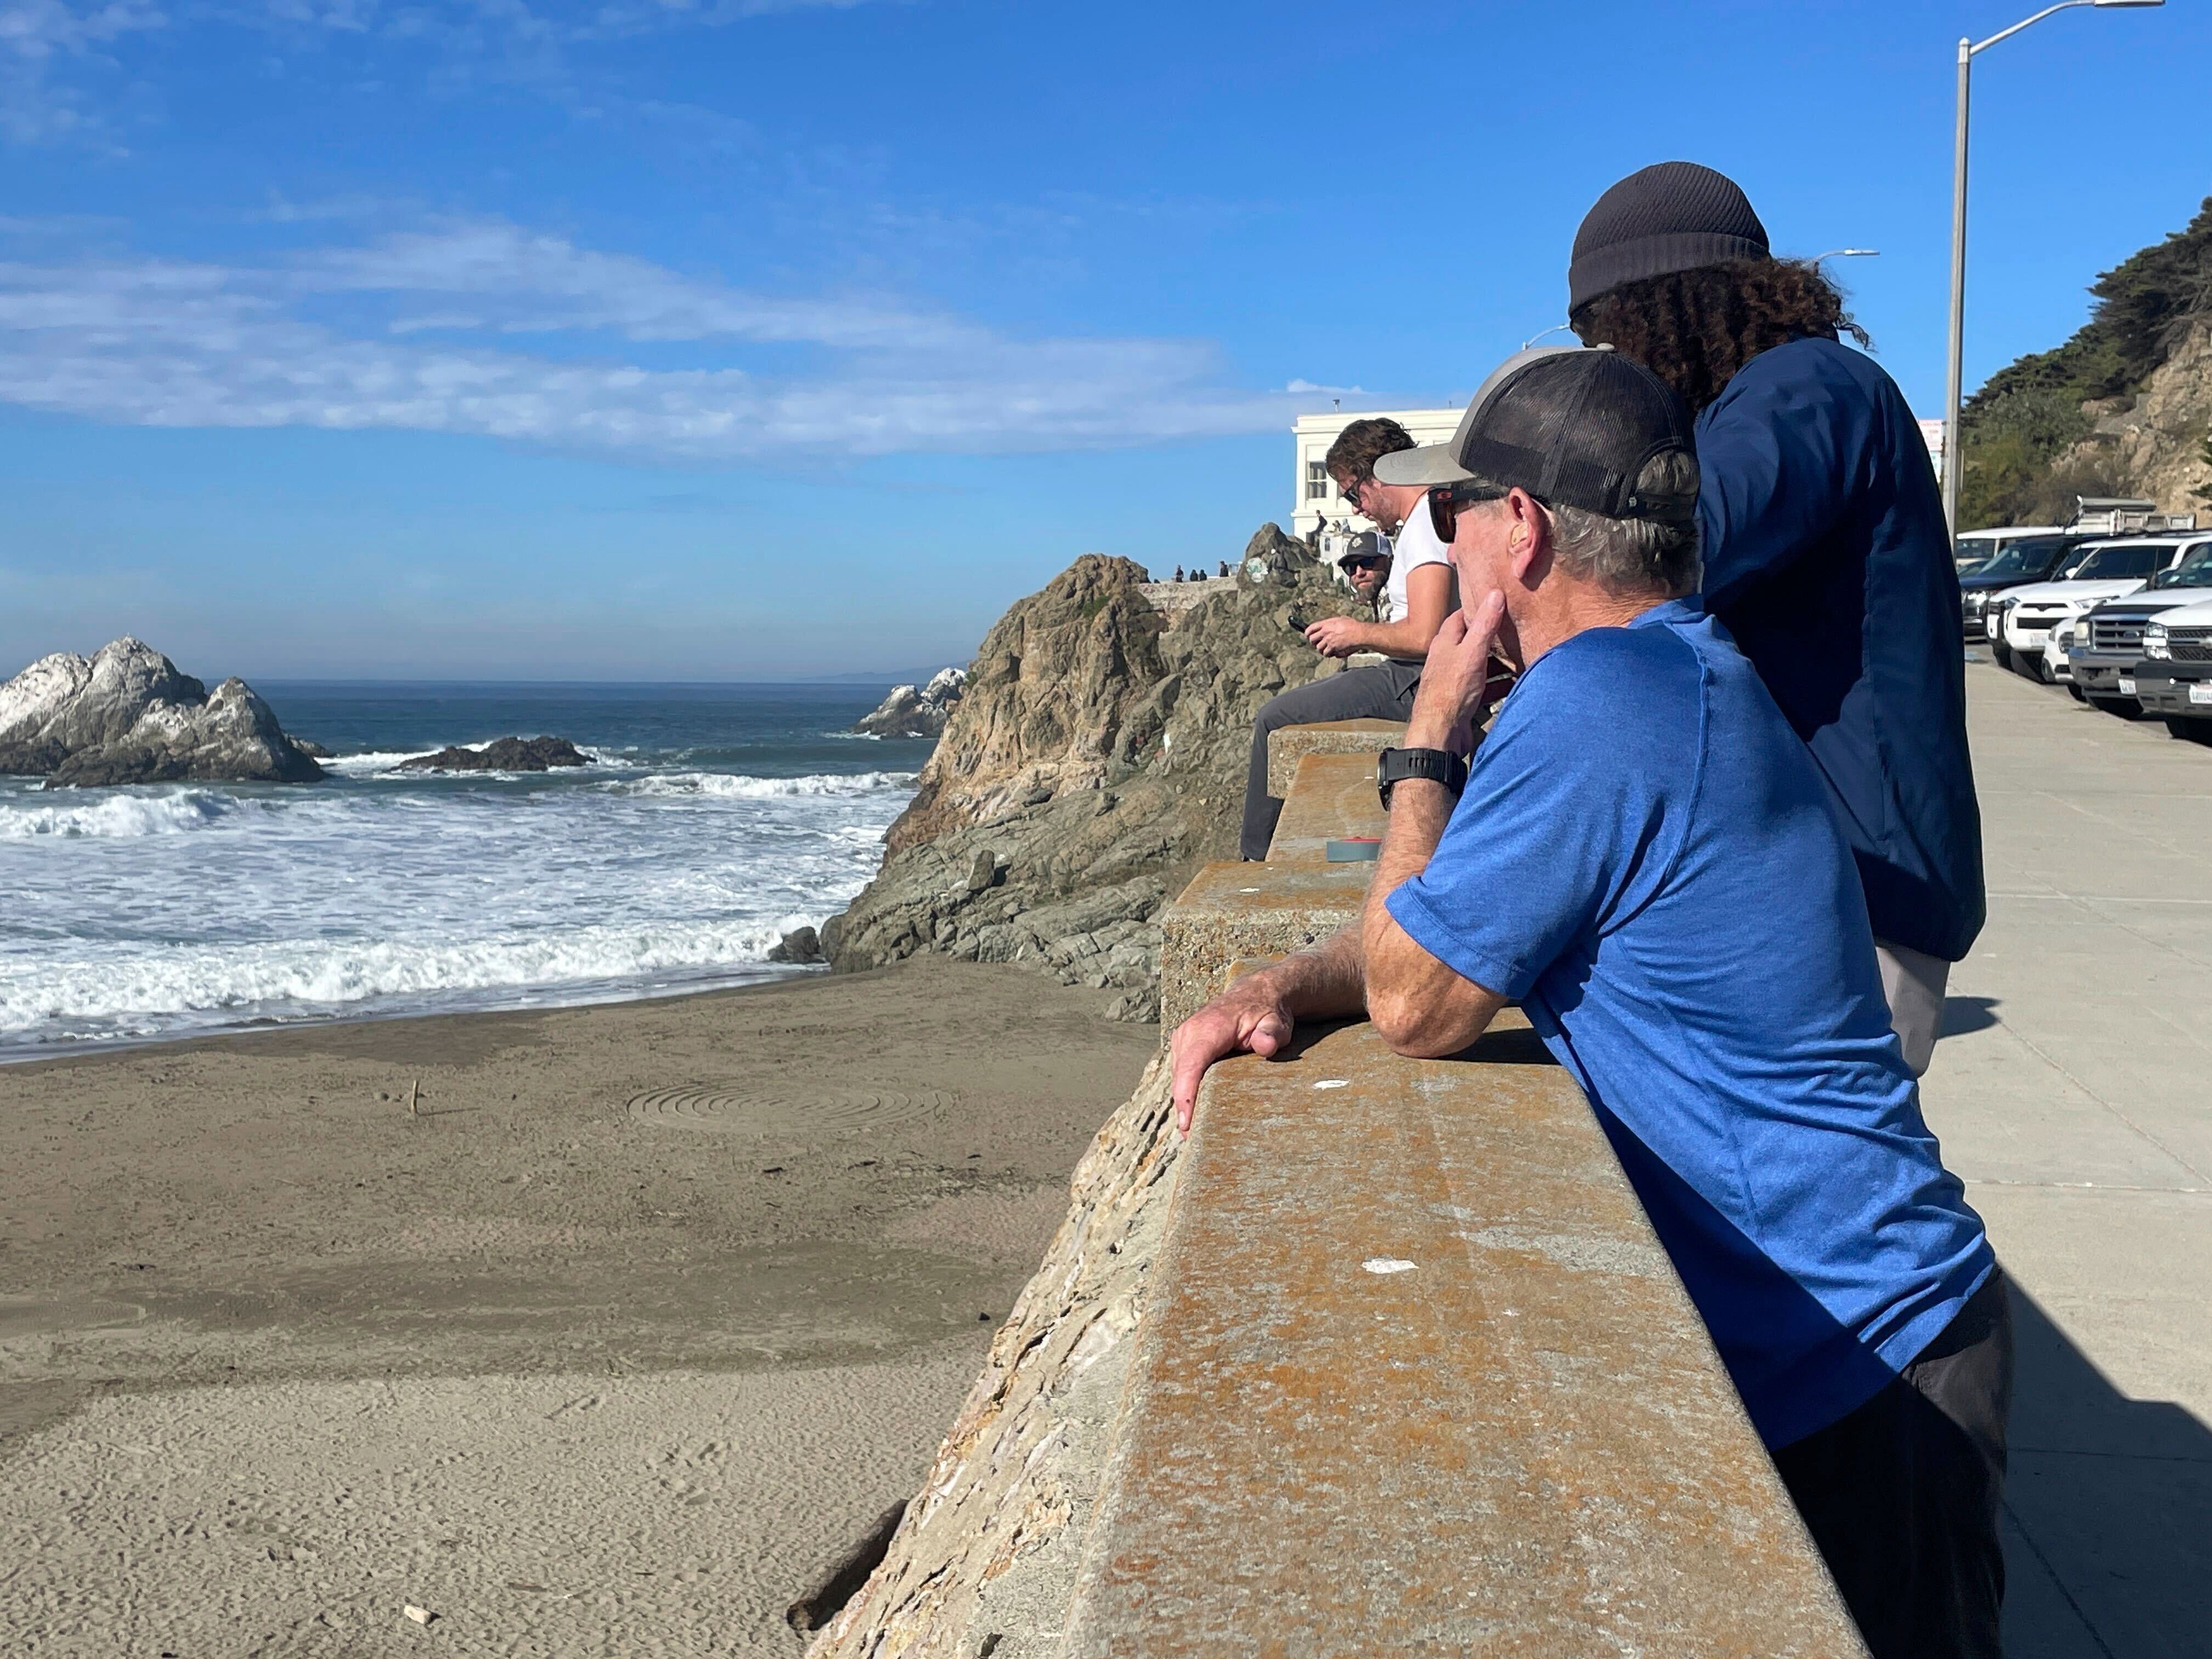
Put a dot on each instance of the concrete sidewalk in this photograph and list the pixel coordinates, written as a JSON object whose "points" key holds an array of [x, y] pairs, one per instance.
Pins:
{"points": [[2073, 1091]]}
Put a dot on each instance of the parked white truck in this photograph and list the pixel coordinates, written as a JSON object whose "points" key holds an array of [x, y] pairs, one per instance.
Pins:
{"points": [[2174, 679], [2107, 640], [2024, 616]]}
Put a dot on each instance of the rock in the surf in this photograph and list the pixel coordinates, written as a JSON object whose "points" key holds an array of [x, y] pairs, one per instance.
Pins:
{"points": [[502, 754], [800, 944], [126, 715], [913, 711]]}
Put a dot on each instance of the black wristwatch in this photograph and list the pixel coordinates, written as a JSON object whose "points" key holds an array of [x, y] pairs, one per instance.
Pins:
{"points": [[1437, 765]]}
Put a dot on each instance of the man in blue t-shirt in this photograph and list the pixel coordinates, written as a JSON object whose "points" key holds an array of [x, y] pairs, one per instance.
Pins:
{"points": [[1645, 856]]}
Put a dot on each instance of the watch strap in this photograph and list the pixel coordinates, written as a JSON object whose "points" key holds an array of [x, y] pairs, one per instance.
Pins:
{"points": [[1393, 766]]}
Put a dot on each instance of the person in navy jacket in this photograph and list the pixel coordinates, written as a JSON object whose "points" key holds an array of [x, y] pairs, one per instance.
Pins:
{"points": [[1826, 551]]}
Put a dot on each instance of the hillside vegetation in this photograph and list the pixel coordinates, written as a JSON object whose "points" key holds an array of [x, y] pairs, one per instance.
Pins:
{"points": [[2058, 424]]}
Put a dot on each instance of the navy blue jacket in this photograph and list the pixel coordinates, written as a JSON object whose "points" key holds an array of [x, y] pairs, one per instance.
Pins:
{"points": [[1826, 556]]}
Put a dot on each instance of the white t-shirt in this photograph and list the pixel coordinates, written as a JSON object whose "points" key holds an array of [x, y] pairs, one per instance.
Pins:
{"points": [[1415, 544]]}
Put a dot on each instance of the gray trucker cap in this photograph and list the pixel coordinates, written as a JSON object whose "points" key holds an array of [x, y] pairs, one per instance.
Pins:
{"points": [[1574, 426]]}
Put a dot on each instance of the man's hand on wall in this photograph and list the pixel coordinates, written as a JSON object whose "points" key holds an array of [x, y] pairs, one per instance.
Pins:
{"points": [[1251, 1015]]}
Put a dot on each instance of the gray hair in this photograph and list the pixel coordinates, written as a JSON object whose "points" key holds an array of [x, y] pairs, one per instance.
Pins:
{"points": [[1635, 556]]}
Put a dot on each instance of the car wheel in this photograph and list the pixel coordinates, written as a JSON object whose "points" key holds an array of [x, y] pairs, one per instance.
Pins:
{"points": [[2000, 652], [2079, 696], [2194, 731], [2043, 669], [2126, 707]]}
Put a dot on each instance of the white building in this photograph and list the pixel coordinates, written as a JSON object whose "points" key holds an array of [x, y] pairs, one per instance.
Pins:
{"points": [[1931, 433], [1318, 497]]}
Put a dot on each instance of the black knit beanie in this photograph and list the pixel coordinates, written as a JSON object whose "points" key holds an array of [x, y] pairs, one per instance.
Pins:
{"points": [[1675, 215]]}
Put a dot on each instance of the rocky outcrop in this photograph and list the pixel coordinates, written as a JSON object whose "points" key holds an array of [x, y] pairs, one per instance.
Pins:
{"points": [[502, 755], [2157, 436], [1096, 759], [917, 711], [991, 1542], [126, 715]]}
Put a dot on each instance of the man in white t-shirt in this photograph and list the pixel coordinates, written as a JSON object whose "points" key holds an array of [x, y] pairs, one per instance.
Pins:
{"points": [[1419, 596]]}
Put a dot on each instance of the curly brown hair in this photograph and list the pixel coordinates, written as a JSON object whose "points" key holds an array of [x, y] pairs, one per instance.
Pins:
{"points": [[1351, 459], [1695, 328]]}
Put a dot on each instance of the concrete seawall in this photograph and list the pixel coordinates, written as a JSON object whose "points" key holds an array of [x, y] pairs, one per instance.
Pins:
{"points": [[1384, 1358]]}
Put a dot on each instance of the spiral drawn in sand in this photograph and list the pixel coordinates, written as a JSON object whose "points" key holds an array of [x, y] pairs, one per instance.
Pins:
{"points": [[834, 1112]]}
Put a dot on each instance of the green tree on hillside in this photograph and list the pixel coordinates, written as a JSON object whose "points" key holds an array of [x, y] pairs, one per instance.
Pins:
{"points": [[2030, 411]]}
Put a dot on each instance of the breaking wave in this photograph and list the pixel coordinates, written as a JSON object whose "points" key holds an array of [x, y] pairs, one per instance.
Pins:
{"points": [[116, 817], [134, 914], [313, 979]]}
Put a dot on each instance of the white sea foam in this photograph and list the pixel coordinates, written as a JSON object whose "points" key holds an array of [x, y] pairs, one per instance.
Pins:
{"points": [[142, 913], [737, 787], [367, 765], [376, 762], [312, 977], [115, 817]]}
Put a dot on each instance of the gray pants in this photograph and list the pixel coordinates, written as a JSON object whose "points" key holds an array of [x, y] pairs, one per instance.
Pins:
{"points": [[1914, 985], [1383, 692]]}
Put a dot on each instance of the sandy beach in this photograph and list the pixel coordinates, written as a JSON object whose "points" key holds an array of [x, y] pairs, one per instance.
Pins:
{"points": [[638, 1317]]}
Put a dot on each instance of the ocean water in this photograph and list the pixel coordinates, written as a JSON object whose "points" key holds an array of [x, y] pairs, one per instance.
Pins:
{"points": [[715, 819]]}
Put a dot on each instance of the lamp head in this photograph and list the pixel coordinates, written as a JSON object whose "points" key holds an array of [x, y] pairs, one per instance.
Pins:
{"points": [[2127, 3]]}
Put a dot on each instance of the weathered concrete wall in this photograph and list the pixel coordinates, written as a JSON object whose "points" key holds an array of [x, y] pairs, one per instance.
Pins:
{"points": [[1385, 1359], [990, 1546], [1292, 743]]}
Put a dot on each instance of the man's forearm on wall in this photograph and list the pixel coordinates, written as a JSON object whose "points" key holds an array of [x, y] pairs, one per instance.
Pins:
{"points": [[1326, 981]]}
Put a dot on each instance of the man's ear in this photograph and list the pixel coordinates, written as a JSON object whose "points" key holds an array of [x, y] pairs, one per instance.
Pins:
{"points": [[1530, 538]]}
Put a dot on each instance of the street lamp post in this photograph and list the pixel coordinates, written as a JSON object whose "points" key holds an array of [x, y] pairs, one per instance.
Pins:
{"points": [[1967, 51]]}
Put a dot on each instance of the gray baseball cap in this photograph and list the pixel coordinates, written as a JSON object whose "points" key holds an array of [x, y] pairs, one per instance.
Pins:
{"points": [[1574, 426]]}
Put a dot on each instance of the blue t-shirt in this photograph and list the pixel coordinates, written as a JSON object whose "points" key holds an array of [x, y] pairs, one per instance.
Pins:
{"points": [[1647, 859], [1826, 556]]}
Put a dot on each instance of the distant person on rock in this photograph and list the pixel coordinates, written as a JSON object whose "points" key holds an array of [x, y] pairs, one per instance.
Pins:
{"points": [[1223, 571], [1825, 552], [1417, 597], [1646, 857], [1178, 574]]}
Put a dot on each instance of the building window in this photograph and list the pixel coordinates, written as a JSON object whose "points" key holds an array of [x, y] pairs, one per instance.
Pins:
{"points": [[1316, 482]]}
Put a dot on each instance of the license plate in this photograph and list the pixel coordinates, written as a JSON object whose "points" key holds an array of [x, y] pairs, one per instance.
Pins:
{"points": [[2200, 694], [2127, 686], [2031, 637]]}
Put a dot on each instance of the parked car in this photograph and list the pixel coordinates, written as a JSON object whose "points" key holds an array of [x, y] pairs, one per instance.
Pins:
{"points": [[2107, 640], [2107, 570], [2174, 679], [2035, 559], [1973, 548]]}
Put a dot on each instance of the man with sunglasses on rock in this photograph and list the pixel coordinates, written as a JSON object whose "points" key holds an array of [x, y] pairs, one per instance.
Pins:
{"points": [[1416, 598], [1645, 855]]}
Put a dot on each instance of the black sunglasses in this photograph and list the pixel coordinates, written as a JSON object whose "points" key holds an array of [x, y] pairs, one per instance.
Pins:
{"points": [[1351, 491], [1361, 561], [1445, 501]]}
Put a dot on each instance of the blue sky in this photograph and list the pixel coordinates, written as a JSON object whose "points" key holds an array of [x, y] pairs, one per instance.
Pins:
{"points": [[732, 339]]}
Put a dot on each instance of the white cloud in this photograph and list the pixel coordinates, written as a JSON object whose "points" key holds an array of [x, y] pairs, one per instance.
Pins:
{"points": [[54, 53], [41, 38], [417, 330]]}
